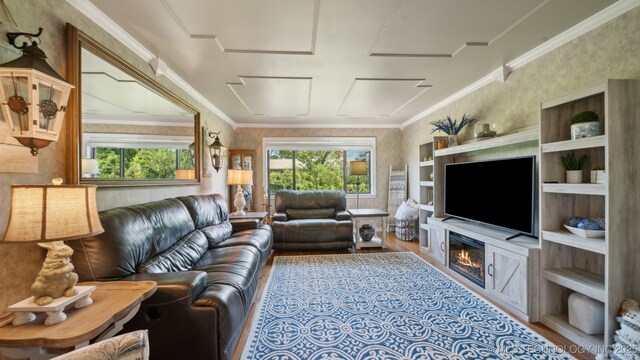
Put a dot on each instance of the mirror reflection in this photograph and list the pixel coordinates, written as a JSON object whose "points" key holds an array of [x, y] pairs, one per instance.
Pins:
{"points": [[131, 131]]}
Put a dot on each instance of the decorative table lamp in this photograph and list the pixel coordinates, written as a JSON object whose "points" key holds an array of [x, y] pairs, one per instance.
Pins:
{"points": [[239, 177], [48, 215], [90, 167], [359, 169]]}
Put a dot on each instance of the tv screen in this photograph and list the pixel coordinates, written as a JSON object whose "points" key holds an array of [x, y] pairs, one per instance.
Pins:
{"points": [[495, 192]]}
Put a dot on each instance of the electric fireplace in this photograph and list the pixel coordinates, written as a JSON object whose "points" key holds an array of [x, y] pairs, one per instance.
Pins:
{"points": [[466, 257]]}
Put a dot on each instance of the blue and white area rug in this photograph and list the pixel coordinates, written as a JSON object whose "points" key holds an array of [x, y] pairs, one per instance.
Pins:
{"points": [[381, 306]]}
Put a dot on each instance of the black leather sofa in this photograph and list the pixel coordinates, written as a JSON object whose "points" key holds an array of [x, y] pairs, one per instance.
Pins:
{"points": [[207, 270], [311, 219]]}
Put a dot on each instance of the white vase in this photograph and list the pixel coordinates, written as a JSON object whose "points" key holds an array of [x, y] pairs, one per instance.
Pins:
{"points": [[574, 176], [585, 129], [452, 140]]}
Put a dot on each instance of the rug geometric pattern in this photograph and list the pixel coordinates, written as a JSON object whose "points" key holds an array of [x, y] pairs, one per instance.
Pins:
{"points": [[381, 306]]}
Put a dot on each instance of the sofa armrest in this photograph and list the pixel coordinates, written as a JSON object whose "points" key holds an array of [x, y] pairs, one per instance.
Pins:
{"points": [[342, 215], [279, 216], [244, 224], [174, 286]]}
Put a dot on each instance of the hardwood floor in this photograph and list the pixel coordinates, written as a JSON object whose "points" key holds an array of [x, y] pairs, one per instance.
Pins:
{"points": [[398, 245]]}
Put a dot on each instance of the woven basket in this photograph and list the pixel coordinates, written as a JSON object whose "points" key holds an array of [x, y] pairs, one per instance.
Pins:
{"points": [[406, 230]]}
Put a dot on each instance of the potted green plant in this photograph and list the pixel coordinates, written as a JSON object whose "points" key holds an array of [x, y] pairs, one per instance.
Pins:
{"points": [[585, 124], [451, 127], [573, 166]]}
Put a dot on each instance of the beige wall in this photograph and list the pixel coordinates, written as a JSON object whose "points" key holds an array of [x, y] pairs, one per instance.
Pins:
{"points": [[388, 152], [20, 263], [608, 52]]}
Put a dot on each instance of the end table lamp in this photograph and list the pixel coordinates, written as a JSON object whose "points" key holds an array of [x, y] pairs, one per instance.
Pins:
{"points": [[359, 169], [48, 215], [240, 178]]}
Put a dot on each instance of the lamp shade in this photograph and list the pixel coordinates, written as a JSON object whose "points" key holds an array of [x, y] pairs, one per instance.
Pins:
{"points": [[239, 177], [90, 166], [42, 213], [358, 168], [185, 174]]}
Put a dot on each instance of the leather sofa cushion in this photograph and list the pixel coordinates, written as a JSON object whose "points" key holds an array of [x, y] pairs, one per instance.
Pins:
{"points": [[326, 213], [260, 238], [206, 210], [217, 233], [133, 235], [181, 256]]}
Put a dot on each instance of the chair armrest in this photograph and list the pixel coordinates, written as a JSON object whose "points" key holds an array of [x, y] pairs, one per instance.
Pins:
{"points": [[279, 217], [174, 286], [244, 224], [342, 215]]}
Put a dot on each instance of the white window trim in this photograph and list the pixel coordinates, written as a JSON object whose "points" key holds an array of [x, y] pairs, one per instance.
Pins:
{"points": [[322, 143]]}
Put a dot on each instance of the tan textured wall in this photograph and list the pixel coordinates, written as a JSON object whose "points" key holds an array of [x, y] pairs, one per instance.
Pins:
{"points": [[388, 152], [608, 52], [21, 263], [137, 129]]}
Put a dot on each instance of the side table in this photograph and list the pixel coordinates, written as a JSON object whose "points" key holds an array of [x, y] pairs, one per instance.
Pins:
{"points": [[250, 215], [114, 303], [358, 215]]}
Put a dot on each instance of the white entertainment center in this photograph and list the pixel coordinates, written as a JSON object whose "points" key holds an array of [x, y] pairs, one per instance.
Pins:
{"points": [[510, 266], [534, 278]]}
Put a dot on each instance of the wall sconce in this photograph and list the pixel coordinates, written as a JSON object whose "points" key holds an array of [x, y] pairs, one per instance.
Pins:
{"points": [[216, 150], [29, 83]]}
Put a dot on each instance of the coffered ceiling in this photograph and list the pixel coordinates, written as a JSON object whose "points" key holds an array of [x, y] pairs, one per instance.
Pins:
{"points": [[365, 63]]}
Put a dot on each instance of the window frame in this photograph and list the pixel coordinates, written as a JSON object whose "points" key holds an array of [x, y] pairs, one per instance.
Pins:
{"points": [[323, 143]]}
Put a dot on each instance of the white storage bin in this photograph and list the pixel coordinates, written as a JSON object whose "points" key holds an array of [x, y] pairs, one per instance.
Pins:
{"points": [[586, 314]]}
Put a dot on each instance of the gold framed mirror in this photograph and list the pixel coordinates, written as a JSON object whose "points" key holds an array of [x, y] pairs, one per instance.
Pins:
{"points": [[125, 128]]}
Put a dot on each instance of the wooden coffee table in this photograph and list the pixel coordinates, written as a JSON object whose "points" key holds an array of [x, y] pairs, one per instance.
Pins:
{"points": [[114, 303], [359, 216]]}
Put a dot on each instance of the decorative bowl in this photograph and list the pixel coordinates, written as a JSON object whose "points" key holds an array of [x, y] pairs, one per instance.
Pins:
{"points": [[586, 233]]}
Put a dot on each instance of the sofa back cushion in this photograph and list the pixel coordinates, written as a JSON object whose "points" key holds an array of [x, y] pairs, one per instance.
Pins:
{"points": [[181, 256], [216, 234], [311, 213], [206, 210], [133, 235], [310, 199]]}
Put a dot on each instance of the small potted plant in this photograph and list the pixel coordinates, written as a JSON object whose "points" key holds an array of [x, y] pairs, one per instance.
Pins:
{"points": [[451, 127], [585, 124], [573, 166]]}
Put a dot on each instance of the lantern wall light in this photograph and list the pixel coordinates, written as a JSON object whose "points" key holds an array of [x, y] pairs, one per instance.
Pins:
{"points": [[216, 149], [32, 95]]}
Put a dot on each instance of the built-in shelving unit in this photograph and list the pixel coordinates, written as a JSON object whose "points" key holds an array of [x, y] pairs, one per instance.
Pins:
{"points": [[601, 268], [426, 190]]}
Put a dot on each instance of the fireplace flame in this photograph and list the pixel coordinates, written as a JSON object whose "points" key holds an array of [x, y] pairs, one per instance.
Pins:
{"points": [[464, 259]]}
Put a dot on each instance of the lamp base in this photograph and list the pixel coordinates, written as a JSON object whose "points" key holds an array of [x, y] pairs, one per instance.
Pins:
{"points": [[25, 310], [239, 202], [56, 278]]}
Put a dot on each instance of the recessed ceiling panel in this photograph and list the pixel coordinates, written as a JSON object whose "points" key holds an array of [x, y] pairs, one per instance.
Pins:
{"points": [[380, 97], [250, 25], [274, 96], [441, 28]]}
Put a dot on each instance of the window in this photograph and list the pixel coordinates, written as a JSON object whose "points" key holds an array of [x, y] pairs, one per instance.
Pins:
{"points": [[318, 164], [130, 160]]}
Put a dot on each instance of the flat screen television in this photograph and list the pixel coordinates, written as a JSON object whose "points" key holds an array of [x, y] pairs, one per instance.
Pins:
{"points": [[495, 192]]}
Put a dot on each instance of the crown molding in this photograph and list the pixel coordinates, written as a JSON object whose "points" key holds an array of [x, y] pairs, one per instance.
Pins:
{"points": [[318, 126], [102, 20], [611, 12]]}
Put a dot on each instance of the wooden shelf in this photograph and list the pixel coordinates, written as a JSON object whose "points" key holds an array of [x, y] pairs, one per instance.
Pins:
{"points": [[427, 207], [426, 183], [596, 245], [426, 163], [584, 282], [580, 189], [590, 142], [521, 137], [560, 324]]}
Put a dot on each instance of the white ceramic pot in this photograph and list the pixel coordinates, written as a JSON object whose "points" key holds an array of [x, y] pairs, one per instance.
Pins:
{"points": [[574, 176], [585, 129], [452, 140]]}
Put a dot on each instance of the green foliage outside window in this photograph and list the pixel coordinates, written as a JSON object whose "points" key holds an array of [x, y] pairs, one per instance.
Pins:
{"points": [[108, 163], [141, 163], [315, 170]]}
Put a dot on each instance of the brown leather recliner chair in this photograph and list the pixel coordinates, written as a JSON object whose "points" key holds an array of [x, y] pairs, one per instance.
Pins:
{"points": [[311, 219]]}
